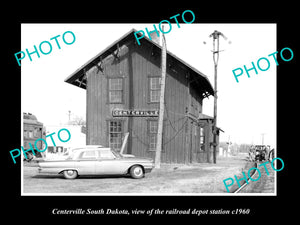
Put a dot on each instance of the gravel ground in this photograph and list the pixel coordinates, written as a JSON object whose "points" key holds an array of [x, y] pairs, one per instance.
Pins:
{"points": [[169, 179], [264, 183]]}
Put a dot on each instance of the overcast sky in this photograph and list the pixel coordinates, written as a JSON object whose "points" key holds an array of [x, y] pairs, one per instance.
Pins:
{"points": [[246, 110]]}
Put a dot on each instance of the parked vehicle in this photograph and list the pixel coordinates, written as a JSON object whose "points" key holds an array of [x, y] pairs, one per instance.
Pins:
{"points": [[271, 154], [97, 161], [260, 153]]}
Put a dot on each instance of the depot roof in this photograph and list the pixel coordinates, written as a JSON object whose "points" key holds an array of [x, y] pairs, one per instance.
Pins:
{"points": [[77, 77]]}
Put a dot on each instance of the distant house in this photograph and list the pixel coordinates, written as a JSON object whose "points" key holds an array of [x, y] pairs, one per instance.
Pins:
{"points": [[123, 87], [32, 130]]}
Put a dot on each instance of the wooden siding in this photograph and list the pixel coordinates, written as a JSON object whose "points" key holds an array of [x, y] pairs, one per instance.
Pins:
{"points": [[135, 65]]}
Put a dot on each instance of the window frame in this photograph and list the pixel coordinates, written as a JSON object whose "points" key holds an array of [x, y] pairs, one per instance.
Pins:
{"points": [[25, 133], [100, 153], [95, 157], [202, 138], [109, 91], [30, 134], [109, 132], [151, 89]]}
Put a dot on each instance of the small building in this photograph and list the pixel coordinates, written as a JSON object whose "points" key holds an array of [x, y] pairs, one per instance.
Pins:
{"points": [[32, 130], [123, 89]]}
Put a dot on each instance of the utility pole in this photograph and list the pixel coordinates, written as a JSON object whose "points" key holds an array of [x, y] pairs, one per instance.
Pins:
{"points": [[161, 103], [215, 35]]}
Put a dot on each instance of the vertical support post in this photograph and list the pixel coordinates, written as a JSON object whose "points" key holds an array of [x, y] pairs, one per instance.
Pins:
{"points": [[215, 36], [161, 104], [215, 120]]}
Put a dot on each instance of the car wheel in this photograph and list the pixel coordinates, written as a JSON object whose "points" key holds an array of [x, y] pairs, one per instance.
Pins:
{"points": [[136, 172], [70, 174]]}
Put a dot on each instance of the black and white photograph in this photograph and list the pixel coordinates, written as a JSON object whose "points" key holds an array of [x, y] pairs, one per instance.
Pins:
{"points": [[149, 113], [125, 109]]}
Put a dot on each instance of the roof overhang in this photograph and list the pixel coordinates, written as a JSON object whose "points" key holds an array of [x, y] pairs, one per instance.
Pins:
{"points": [[78, 77]]}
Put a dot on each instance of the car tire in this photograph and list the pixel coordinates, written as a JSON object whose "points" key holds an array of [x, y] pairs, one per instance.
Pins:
{"points": [[70, 174], [136, 172]]}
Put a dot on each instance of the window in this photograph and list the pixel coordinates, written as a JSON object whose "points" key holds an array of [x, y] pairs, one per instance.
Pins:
{"points": [[30, 134], [35, 132], [154, 87], [115, 129], [152, 130], [202, 146], [88, 155], [106, 155], [115, 87]]}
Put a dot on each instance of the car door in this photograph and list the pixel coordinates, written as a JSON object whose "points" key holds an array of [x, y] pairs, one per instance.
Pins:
{"points": [[108, 163], [86, 162]]}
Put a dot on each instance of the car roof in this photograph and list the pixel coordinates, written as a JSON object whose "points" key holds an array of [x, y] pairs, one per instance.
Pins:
{"points": [[87, 146]]}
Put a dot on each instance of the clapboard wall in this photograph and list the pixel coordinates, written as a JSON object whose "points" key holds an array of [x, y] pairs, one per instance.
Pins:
{"points": [[135, 64]]}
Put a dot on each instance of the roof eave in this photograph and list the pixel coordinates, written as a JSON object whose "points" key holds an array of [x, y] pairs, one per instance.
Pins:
{"points": [[93, 61]]}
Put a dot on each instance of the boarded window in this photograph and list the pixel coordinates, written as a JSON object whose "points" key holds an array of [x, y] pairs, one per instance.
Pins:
{"points": [[115, 129], [115, 87], [154, 84]]}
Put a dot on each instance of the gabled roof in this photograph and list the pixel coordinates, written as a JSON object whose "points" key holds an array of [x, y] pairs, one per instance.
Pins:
{"points": [[78, 77]]}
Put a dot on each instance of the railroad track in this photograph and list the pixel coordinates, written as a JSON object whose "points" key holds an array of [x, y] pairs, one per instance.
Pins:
{"points": [[245, 184], [264, 184]]}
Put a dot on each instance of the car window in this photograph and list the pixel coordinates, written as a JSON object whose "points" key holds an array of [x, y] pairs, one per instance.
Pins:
{"points": [[106, 154], [88, 155]]}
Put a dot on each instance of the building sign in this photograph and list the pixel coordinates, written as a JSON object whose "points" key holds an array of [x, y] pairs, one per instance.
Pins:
{"points": [[139, 113]]}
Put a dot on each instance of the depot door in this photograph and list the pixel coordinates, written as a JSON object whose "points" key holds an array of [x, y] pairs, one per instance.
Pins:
{"points": [[201, 143]]}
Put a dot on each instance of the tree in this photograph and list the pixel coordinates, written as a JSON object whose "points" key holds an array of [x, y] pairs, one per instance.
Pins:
{"points": [[77, 121]]}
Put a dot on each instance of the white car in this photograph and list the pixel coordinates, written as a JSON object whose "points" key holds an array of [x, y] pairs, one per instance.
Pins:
{"points": [[97, 161]]}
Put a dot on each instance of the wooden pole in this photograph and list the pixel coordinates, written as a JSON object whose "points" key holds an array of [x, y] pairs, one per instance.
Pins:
{"points": [[215, 119], [215, 36], [161, 104]]}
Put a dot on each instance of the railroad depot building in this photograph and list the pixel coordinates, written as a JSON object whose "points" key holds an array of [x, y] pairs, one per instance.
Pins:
{"points": [[123, 89]]}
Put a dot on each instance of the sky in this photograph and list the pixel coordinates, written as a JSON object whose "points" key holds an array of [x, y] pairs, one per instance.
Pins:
{"points": [[246, 110]]}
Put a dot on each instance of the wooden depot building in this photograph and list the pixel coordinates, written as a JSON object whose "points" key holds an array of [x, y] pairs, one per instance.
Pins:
{"points": [[123, 89]]}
